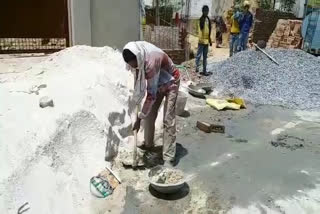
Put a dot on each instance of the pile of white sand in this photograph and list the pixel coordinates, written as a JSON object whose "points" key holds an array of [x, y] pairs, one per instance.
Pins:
{"points": [[48, 155]]}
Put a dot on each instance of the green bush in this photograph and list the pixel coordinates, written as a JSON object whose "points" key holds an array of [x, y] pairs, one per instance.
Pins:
{"points": [[287, 5]]}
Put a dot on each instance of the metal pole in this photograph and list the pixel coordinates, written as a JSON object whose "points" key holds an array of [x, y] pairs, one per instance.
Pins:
{"points": [[157, 13], [270, 57], [140, 19], [134, 162], [305, 8]]}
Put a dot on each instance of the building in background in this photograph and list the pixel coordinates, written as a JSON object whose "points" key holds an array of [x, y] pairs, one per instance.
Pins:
{"points": [[217, 7], [297, 8], [101, 23], [49, 26]]}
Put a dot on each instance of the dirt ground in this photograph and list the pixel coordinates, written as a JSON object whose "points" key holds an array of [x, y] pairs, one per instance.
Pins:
{"points": [[216, 55]]}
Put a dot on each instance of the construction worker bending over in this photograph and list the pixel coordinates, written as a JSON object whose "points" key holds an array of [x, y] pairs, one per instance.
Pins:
{"points": [[204, 34], [155, 74]]}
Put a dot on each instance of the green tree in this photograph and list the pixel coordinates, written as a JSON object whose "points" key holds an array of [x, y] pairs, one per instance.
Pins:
{"points": [[266, 4], [287, 5]]}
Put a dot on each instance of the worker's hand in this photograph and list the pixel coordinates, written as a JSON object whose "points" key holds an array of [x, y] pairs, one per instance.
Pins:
{"points": [[137, 124], [210, 42]]}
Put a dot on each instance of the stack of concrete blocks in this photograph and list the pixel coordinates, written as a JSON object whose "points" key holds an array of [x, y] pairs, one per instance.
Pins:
{"points": [[286, 35]]}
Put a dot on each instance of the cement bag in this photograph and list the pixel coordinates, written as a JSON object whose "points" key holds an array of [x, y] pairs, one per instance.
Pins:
{"points": [[238, 101], [222, 104]]}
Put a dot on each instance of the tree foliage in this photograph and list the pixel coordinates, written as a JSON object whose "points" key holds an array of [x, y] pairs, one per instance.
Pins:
{"points": [[287, 5], [266, 4]]}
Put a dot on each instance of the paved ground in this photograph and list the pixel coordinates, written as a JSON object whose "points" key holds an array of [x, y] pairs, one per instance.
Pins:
{"points": [[267, 162]]}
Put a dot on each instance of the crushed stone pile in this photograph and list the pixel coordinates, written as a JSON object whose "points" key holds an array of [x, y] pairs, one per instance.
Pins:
{"points": [[168, 176], [252, 76]]}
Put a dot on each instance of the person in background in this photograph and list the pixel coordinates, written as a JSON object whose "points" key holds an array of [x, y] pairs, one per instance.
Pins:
{"points": [[156, 75], [246, 22], [235, 31], [204, 33], [220, 29]]}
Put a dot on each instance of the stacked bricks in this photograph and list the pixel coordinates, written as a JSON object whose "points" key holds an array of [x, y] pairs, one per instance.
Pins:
{"points": [[265, 23], [286, 35]]}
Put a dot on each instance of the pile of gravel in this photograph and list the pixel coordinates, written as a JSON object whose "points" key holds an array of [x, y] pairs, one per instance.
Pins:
{"points": [[254, 77]]}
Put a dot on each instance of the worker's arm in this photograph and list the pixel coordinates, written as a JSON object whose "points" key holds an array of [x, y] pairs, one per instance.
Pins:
{"points": [[238, 16], [152, 88], [251, 20], [152, 76], [199, 31]]}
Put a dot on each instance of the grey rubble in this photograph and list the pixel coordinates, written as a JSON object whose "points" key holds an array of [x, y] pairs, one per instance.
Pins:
{"points": [[251, 75]]}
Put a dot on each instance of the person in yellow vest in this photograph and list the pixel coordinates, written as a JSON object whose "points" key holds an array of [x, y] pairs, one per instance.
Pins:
{"points": [[204, 33], [235, 31]]}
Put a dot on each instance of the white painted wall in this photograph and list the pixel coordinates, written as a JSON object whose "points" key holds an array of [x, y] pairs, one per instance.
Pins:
{"points": [[220, 6], [104, 22], [217, 7], [114, 22], [80, 22], [298, 8], [196, 7], [148, 2]]}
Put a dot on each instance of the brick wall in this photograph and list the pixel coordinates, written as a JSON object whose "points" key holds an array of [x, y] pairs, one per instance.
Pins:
{"points": [[177, 56], [265, 23]]}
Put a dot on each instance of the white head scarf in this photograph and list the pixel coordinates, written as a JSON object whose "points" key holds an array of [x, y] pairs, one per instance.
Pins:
{"points": [[141, 49]]}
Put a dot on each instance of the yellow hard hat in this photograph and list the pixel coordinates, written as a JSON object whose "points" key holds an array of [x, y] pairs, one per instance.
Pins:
{"points": [[246, 3]]}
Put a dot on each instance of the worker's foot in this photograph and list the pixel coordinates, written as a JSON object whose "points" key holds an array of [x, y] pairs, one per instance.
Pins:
{"points": [[168, 164], [145, 148], [206, 73]]}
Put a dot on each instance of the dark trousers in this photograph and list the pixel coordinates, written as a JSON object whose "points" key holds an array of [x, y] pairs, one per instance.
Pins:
{"points": [[202, 51]]}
